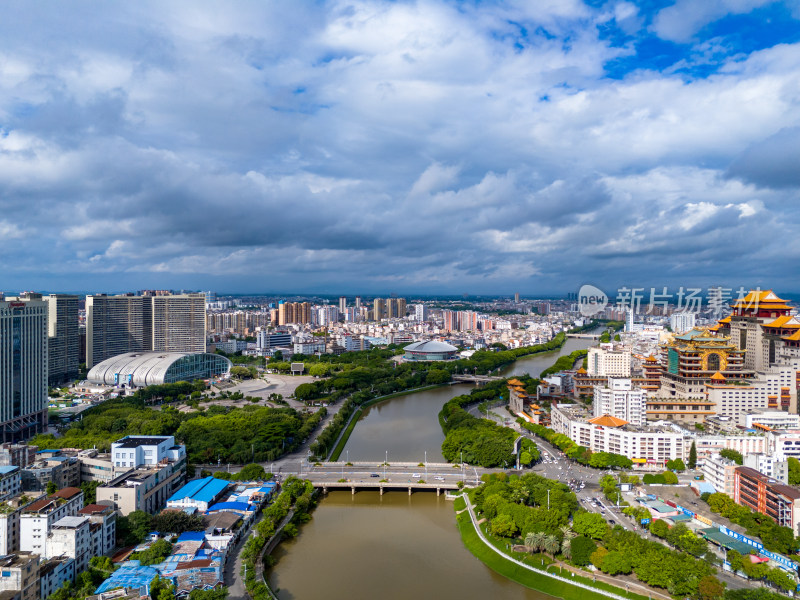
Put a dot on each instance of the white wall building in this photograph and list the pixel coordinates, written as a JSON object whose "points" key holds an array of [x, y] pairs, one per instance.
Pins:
{"points": [[744, 444], [620, 400], [682, 322], [134, 451], [768, 465], [71, 536], [38, 517], [602, 362], [720, 472], [783, 444], [775, 419], [10, 482]]}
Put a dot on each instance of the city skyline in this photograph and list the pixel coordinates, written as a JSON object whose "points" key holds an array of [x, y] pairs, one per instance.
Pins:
{"points": [[416, 147]]}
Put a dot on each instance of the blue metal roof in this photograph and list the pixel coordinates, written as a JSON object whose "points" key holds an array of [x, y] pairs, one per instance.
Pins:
{"points": [[10, 469], [229, 506], [192, 536], [129, 577], [201, 490]]}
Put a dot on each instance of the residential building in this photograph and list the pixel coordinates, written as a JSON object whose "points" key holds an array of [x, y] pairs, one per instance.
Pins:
{"points": [[766, 495], [683, 410], [20, 573], [64, 338], [23, 368], [103, 526], [53, 573], [783, 444], [421, 312], [720, 472], [619, 399], [10, 511], [378, 309], [681, 322], [64, 471], [706, 445], [164, 323], [71, 536], [602, 362], [38, 517], [294, 312], [342, 304], [10, 482], [20, 455], [310, 347], [768, 465]]}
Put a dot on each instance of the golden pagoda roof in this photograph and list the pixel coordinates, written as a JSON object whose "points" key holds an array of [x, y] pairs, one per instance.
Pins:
{"points": [[651, 359], [714, 328], [756, 298], [581, 371], [608, 421], [515, 382], [718, 376], [725, 320], [784, 322], [795, 337]]}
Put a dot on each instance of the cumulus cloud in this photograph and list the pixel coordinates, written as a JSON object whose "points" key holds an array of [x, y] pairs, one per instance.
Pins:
{"points": [[381, 146]]}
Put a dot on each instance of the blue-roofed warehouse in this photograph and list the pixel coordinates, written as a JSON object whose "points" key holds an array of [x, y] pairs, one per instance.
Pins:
{"points": [[135, 577], [200, 494]]}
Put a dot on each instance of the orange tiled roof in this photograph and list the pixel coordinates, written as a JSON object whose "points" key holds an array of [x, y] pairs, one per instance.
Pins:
{"points": [[608, 421], [784, 321], [725, 320], [514, 382], [759, 297], [651, 359], [795, 337], [718, 376], [581, 371]]}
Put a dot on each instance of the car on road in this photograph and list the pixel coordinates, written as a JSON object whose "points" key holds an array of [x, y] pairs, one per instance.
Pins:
{"points": [[416, 476], [439, 478], [374, 475], [612, 522]]}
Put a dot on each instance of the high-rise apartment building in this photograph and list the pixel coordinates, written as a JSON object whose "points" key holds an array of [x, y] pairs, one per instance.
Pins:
{"points": [[342, 304], [119, 324], [358, 301], [23, 368], [421, 312], [294, 312], [179, 323], [608, 363], [64, 343], [378, 309], [620, 400]]}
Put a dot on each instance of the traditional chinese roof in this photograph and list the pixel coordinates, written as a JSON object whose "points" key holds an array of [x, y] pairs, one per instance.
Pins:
{"points": [[725, 320], [608, 421], [651, 359], [795, 337], [784, 322], [757, 298], [581, 371], [515, 382], [718, 376]]}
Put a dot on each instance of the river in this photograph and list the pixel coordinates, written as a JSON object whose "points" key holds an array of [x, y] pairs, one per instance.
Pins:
{"points": [[368, 545], [408, 426], [393, 546]]}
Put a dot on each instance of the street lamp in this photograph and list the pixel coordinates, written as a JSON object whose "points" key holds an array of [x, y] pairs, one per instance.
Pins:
{"points": [[384, 464], [426, 465], [348, 456]]}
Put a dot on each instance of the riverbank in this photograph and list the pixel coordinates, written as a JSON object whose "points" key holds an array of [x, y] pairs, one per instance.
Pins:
{"points": [[513, 564], [351, 423]]}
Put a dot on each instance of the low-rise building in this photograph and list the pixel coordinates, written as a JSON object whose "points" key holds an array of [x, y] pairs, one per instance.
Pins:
{"points": [[38, 517], [10, 482], [147, 450], [768, 465], [10, 511], [654, 444], [199, 494], [64, 471], [103, 525], [720, 472], [146, 488], [20, 573], [71, 536], [772, 419], [53, 573], [18, 455], [768, 496]]}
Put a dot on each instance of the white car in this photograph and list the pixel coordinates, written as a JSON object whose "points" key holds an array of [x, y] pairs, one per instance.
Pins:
{"points": [[416, 476]]}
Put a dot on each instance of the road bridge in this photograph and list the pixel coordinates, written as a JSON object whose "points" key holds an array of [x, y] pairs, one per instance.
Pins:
{"points": [[584, 336], [475, 378]]}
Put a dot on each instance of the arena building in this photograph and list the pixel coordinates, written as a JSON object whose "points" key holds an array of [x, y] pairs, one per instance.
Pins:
{"points": [[140, 369], [430, 350]]}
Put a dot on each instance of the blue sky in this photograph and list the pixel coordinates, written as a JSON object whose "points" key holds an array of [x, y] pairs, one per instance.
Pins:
{"points": [[372, 147]]}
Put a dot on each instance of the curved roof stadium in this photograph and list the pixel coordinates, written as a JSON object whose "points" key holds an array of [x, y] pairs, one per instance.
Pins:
{"points": [[154, 368], [430, 350]]}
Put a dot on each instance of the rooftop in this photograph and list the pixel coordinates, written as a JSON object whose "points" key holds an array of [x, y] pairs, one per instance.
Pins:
{"points": [[201, 490], [140, 440], [66, 493], [70, 522]]}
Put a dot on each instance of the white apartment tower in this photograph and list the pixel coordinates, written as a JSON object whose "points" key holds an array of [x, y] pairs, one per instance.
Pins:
{"points": [[681, 322], [421, 312], [619, 399], [608, 363], [23, 368]]}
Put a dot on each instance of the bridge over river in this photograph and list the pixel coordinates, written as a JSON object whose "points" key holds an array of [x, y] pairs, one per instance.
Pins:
{"points": [[357, 476]]}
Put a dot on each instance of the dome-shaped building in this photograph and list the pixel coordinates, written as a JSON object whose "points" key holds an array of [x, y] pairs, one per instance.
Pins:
{"points": [[430, 350], [140, 369]]}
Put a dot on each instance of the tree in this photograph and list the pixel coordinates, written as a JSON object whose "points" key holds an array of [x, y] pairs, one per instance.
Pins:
{"points": [[252, 472], [782, 579], [89, 489], [551, 545], [135, 527], [659, 528], [732, 454], [535, 541], [51, 488], [616, 562], [590, 524], [582, 549], [155, 554], [676, 465], [504, 526], [693, 456], [161, 589], [597, 556], [176, 521], [525, 458], [670, 478], [218, 594], [794, 471], [710, 588]]}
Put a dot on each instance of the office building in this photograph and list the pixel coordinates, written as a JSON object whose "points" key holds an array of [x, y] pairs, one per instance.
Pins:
{"points": [[769, 420], [64, 339], [681, 322], [266, 340], [23, 368], [619, 399], [602, 362]]}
